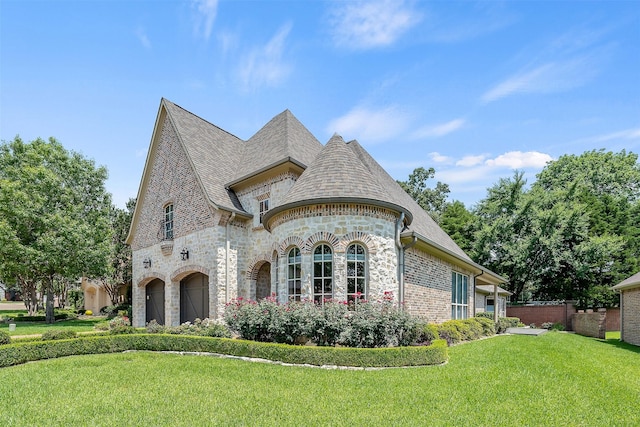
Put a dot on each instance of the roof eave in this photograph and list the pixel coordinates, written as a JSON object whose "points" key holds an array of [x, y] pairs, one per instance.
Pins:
{"points": [[328, 200], [624, 286], [452, 255], [286, 160]]}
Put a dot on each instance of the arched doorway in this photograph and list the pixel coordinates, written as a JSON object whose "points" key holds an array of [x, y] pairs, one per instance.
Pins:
{"points": [[194, 297], [263, 281], [155, 301]]}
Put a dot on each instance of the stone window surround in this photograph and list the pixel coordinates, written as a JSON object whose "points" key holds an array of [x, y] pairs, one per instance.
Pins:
{"points": [[322, 296], [168, 219], [355, 276]]}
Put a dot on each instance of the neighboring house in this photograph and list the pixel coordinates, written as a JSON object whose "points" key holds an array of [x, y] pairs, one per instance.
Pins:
{"points": [[485, 300], [95, 295], [630, 309], [282, 215], [2, 297]]}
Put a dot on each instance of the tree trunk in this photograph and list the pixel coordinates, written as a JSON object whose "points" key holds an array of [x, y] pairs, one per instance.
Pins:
{"points": [[50, 317]]}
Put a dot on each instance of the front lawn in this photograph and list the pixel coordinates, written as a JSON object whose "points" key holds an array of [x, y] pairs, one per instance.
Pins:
{"points": [[32, 328], [553, 379]]}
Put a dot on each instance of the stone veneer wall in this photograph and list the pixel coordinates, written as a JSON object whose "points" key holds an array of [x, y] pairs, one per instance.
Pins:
{"points": [[428, 286], [631, 316], [312, 225], [591, 324]]}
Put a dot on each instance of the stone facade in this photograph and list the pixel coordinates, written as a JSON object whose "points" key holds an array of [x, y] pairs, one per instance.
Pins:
{"points": [[630, 316]]}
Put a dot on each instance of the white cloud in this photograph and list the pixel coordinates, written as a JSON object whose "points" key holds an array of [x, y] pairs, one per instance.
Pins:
{"points": [[205, 16], [142, 37], [370, 24], [442, 129], [439, 158], [623, 134], [519, 160], [370, 126], [469, 161], [264, 65]]}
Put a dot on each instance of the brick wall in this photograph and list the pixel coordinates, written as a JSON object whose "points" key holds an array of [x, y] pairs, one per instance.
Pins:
{"points": [[591, 324], [540, 314], [631, 316], [613, 319]]}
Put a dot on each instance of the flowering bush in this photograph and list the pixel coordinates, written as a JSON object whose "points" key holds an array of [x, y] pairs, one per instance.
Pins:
{"points": [[121, 325], [357, 324]]}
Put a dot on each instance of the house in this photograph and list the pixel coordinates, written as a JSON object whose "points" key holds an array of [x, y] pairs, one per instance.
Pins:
{"points": [[630, 309], [282, 215], [485, 300]]}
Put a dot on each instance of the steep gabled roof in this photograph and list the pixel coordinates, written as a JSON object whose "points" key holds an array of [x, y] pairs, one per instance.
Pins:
{"points": [[284, 138], [214, 153], [337, 175], [423, 225]]}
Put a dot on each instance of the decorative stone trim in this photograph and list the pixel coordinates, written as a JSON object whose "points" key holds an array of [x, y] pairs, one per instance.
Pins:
{"points": [[166, 246], [149, 277], [291, 241], [264, 187], [183, 272], [356, 237], [332, 209], [254, 266], [320, 236], [264, 196]]}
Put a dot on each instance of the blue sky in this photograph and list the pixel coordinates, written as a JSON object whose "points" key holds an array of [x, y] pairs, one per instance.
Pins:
{"points": [[473, 89]]}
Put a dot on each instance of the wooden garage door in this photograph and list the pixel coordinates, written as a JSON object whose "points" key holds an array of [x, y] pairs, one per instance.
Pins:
{"points": [[194, 298], [155, 301]]}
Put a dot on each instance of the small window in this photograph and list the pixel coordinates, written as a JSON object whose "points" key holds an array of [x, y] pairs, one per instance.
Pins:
{"points": [[490, 305], [294, 274], [264, 207], [356, 272], [168, 222], [322, 274], [459, 295]]}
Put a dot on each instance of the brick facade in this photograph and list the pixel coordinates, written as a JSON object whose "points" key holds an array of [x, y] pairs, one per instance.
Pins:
{"points": [[630, 316]]}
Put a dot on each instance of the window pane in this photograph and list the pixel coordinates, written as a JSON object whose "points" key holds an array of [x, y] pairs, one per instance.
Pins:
{"points": [[361, 269], [328, 271], [351, 286]]}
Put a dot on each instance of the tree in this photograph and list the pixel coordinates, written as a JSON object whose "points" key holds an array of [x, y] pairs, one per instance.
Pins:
{"points": [[459, 224], [432, 200], [54, 216], [121, 269]]}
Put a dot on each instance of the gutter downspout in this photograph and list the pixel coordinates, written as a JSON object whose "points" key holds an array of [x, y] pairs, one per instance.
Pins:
{"points": [[475, 308], [401, 249], [226, 261]]}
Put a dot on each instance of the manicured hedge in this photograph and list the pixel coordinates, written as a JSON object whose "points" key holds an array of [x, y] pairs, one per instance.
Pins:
{"points": [[38, 318], [14, 354]]}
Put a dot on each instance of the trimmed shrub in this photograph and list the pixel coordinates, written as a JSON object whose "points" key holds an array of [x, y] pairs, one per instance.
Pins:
{"points": [[507, 322], [485, 315], [203, 328], [488, 326], [5, 338], [14, 354], [449, 332], [20, 317], [58, 334], [427, 333]]}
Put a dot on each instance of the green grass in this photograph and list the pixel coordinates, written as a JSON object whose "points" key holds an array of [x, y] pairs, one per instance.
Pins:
{"points": [[554, 379], [32, 328]]}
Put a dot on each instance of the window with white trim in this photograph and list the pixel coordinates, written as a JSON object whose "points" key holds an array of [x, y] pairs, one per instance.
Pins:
{"points": [[168, 222], [322, 273], [459, 295], [294, 274], [356, 272], [264, 207]]}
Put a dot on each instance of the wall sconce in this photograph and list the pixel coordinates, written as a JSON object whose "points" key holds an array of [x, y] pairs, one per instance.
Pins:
{"points": [[184, 254], [146, 263]]}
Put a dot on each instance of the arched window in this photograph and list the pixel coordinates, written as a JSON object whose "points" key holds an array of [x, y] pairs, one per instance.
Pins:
{"points": [[294, 274], [168, 222], [356, 272], [322, 273]]}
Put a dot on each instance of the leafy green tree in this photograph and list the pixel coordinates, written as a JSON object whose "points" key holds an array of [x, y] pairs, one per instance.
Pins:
{"points": [[432, 200], [460, 224], [121, 269], [54, 214]]}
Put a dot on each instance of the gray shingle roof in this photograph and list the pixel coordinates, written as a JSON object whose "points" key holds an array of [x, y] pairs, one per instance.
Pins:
{"points": [[283, 137], [630, 282], [422, 223], [215, 153]]}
